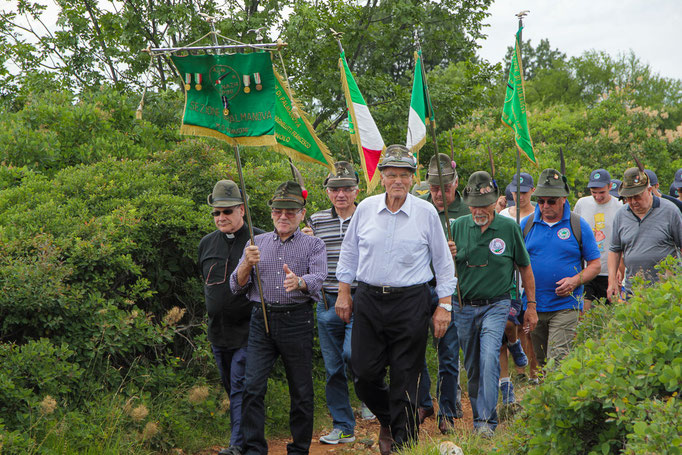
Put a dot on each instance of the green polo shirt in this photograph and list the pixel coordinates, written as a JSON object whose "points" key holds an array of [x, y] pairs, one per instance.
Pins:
{"points": [[485, 261], [455, 210]]}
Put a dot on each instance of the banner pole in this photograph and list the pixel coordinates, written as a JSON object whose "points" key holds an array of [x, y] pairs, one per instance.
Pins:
{"points": [[248, 222]]}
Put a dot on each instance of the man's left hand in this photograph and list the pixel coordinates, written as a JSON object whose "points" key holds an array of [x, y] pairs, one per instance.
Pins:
{"points": [[290, 280], [530, 320], [441, 321], [566, 286]]}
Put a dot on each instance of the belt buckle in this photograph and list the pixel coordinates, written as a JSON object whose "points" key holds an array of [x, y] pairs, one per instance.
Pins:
{"points": [[385, 289]]}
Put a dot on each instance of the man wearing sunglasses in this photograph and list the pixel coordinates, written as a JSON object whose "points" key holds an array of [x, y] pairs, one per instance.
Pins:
{"points": [[645, 231], [447, 386], [557, 259], [390, 243], [488, 248], [292, 267], [228, 314]]}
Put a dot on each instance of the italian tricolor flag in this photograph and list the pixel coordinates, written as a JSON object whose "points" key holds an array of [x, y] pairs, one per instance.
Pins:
{"points": [[363, 130], [421, 112]]}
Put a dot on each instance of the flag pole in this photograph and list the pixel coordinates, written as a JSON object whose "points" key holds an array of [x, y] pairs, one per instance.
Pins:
{"points": [[520, 15], [248, 223], [432, 124]]}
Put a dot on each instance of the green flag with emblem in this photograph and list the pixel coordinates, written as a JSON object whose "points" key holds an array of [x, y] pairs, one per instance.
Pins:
{"points": [[296, 137], [514, 110], [229, 97]]}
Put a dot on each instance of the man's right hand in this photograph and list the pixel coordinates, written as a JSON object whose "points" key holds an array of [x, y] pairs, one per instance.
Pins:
{"points": [[251, 255], [613, 293], [308, 230], [344, 307], [453, 248]]}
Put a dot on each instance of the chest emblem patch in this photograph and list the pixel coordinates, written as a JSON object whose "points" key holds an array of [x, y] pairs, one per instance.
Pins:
{"points": [[497, 246], [564, 233]]}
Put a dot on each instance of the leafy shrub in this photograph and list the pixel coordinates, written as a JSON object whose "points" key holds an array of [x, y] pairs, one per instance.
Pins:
{"points": [[615, 392]]}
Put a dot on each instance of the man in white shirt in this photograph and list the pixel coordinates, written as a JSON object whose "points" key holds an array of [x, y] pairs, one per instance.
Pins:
{"points": [[391, 240], [598, 210]]}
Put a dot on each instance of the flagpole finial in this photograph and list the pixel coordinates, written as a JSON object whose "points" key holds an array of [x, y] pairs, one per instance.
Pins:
{"points": [[337, 36], [522, 14]]}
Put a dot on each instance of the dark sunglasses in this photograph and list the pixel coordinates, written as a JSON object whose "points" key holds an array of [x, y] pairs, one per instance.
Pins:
{"points": [[218, 212], [547, 201]]}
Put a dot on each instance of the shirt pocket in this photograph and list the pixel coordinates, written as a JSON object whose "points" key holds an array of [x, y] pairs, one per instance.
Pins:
{"points": [[409, 253]]}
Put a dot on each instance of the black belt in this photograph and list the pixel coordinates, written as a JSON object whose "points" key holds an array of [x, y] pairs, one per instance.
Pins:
{"points": [[283, 308], [484, 302], [388, 289]]}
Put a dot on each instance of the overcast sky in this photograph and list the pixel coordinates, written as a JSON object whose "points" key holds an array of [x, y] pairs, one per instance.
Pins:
{"points": [[651, 28]]}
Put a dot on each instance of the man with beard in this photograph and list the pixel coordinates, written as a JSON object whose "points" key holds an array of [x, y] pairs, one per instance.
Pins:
{"points": [[488, 247]]}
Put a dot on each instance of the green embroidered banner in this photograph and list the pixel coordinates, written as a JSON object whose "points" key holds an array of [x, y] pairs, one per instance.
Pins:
{"points": [[296, 137], [229, 97]]}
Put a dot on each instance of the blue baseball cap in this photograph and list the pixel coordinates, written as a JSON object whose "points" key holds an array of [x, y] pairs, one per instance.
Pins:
{"points": [[599, 178], [508, 195], [677, 183], [526, 180], [613, 189], [653, 180], [673, 190]]}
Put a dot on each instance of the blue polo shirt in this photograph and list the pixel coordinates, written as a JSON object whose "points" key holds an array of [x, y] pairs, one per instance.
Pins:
{"points": [[554, 254]]}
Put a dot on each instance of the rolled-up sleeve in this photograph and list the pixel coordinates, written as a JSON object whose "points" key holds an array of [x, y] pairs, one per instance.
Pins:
{"points": [[317, 267], [443, 266], [234, 284], [347, 267]]}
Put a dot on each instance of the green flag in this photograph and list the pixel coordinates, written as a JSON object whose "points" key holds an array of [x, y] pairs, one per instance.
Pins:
{"points": [[296, 137], [514, 110], [229, 97]]}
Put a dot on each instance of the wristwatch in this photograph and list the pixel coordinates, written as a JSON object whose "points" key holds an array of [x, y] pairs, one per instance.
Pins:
{"points": [[446, 306], [300, 283]]}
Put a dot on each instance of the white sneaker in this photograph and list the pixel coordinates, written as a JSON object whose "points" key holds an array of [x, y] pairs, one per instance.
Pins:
{"points": [[337, 436], [365, 413]]}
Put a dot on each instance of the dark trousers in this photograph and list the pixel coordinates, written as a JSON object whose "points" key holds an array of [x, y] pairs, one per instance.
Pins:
{"points": [[390, 330], [231, 365], [291, 337]]}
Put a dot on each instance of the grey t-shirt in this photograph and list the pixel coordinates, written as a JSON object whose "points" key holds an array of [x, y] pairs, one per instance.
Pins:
{"points": [[600, 218], [647, 242]]}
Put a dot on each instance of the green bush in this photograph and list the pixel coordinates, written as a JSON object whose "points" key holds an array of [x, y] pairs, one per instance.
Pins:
{"points": [[616, 392]]}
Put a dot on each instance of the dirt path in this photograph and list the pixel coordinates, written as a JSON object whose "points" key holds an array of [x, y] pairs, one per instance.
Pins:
{"points": [[366, 436]]}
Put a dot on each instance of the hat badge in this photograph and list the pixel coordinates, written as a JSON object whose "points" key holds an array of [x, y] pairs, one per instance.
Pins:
{"points": [[520, 179], [597, 175], [636, 180], [556, 176], [613, 185]]}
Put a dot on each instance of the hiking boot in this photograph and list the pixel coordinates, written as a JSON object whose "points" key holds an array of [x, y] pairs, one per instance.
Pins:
{"points": [[385, 440], [365, 413], [337, 436], [507, 389], [485, 432], [517, 353], [424, 413], [232, 450]]}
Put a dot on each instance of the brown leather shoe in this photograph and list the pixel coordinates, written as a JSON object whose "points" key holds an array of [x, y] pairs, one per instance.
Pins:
{"points": [[445, 427], [385, 440], [423, 413]]}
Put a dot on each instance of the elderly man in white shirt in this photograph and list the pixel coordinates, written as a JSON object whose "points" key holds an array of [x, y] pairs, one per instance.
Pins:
{"points": [[388, 247]]}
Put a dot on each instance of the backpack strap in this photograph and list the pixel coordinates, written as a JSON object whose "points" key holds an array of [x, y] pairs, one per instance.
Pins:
{"points": [[576, 229], [528, 227]]}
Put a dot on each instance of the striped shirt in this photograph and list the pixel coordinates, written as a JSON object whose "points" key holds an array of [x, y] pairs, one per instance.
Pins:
{"points": [[305, 256], [328, 226]]}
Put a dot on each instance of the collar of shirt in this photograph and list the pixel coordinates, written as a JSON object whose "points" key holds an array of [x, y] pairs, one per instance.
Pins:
{"points": [[336, 215], [406, 208], [275, 235]]}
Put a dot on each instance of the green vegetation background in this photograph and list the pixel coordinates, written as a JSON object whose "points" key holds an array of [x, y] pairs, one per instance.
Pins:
{"points": [[102, 323]]}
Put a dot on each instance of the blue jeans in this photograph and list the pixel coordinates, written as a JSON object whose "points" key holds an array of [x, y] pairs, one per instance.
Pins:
{"points": [[291, 338], [480, 330], [448, 390], [231, 365], [335, 346]]}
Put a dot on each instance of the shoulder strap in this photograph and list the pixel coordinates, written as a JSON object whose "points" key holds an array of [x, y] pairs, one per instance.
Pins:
{"points": [[528, 226], [576, 229]]}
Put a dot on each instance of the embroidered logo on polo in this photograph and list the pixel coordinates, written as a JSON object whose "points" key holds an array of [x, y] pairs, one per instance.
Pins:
{"points": [[497, 246], [564, 233]]}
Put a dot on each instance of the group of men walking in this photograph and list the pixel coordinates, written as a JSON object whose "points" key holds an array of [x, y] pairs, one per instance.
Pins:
{"points": [[382, 271]]}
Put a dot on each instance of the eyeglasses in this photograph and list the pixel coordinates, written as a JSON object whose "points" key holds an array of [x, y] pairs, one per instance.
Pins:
{"points": [[226, 212], [343, 189], [289, 213], [401, 176], [547, 201], [217, 278]]}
